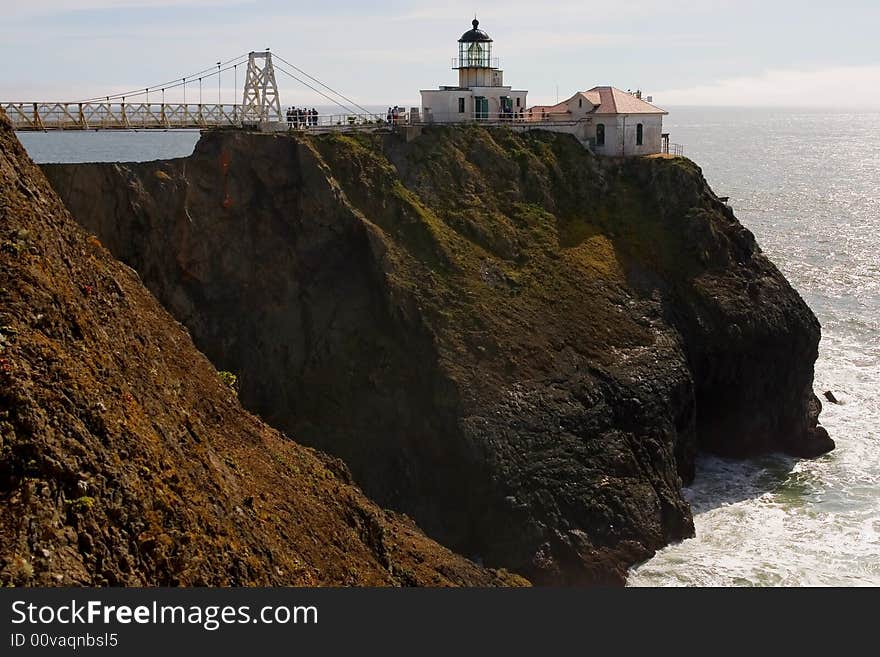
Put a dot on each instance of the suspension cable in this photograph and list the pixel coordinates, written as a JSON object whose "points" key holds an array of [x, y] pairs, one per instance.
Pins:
{"points": [[233, 64], [181, 82], [318, 91], [299, 70], [171, 84]]}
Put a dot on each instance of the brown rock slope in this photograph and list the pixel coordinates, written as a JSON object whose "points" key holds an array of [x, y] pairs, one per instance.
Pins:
{"points": [[516, 343], [124, 460]]}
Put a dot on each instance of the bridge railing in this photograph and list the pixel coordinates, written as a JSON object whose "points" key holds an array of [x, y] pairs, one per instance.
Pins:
{"points": [[339, 121], [126, 116], [134, 116]]}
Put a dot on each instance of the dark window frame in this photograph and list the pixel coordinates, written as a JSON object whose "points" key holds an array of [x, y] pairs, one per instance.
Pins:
{"points": [[461, 105], [600, 134], [640, 134]]}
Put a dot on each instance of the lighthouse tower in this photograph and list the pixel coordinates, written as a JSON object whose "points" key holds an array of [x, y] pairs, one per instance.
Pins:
{"points": [[480, 94], [474, 62]]}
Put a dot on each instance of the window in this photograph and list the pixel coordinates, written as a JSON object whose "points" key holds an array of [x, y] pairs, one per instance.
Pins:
{"points": [[461, 105], [600, 134], [639, 134], [475, 55], [517, 101], [580, 102]]}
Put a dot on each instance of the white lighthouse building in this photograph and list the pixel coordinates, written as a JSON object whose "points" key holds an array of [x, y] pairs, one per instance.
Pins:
{"points": [[480, 94]]}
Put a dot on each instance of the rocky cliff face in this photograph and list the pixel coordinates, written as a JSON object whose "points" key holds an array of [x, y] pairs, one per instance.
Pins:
{"points": [[125, 460], [517, 344]]}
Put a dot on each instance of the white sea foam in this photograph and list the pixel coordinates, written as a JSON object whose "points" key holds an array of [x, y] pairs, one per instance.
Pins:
{"points": [[806, 185]]}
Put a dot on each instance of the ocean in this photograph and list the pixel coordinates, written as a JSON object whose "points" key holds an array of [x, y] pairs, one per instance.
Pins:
{"points": [[806, 183]]}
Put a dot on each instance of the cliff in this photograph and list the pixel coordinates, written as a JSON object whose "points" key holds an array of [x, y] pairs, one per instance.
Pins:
{"points": [[124, 458], [514, 342]]}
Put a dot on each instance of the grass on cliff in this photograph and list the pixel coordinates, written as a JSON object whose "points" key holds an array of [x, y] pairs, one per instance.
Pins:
{"points": [[506, 233]]}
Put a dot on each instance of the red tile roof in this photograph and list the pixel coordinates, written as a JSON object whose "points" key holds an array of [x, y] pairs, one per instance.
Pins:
{"points": [[611, 100], [608, 100]]}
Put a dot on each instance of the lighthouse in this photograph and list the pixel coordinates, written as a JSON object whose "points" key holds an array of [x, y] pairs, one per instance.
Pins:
{"points": [[480, 94]]}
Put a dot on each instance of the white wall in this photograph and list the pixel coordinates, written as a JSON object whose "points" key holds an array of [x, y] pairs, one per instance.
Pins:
{"points": [[443, 103], [579, 106], [620, 134], [480, 77]]}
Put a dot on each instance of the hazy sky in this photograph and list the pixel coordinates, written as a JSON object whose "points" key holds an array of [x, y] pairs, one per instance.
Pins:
{"points": [[721, 52]]}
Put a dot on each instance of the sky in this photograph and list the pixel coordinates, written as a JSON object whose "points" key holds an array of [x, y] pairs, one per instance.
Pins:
{"points": [[682, 52]]}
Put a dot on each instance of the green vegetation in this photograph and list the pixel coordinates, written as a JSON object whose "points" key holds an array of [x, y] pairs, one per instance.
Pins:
{"points": [[82, 504], [230, 379], [485, 225]]}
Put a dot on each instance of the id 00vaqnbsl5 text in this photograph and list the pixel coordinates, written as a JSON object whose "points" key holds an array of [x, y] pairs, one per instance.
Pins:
{"points": [[209, 617]]}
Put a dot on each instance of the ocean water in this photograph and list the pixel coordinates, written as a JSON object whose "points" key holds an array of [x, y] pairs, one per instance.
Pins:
{"points": [[806, 183], [108, 145]]}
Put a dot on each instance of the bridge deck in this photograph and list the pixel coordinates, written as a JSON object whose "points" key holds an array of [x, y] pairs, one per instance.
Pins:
{"points": [[120, 116]]}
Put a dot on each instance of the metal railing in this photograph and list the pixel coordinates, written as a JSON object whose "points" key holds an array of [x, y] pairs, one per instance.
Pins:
{"points": [[343, 121], [120, 116], [476, 62], [169, 116], [519, 117], [676, 150]]}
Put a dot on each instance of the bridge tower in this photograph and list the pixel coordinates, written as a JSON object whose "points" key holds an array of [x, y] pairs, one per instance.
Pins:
{"points": [[260, 101]]}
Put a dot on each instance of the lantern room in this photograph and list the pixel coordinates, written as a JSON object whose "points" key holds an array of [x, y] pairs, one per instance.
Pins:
{"points": [[474, 63], [474, 49]]}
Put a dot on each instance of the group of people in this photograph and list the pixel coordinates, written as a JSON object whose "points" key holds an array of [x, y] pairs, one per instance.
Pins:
{"points": [[299, 117], [395, 114]]}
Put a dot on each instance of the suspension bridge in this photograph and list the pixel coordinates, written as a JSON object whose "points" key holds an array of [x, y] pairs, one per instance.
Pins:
{"points": [[135, 110], [260, 107]]}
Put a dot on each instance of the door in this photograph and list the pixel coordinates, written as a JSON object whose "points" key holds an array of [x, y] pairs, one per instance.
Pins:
{"points": [[481, 108]]}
